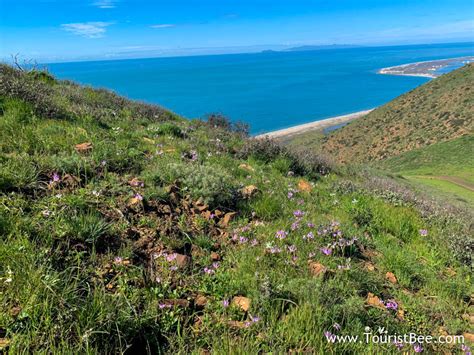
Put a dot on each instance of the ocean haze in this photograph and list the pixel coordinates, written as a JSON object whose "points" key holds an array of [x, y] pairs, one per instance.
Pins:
{"points": [[270, 90]]}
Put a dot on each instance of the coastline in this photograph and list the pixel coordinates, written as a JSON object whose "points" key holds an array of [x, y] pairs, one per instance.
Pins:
{"points": [[426, 69], [313, 126]]}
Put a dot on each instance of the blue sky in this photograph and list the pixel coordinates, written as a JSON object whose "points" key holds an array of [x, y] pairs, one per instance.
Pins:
{"points": [[52, 30]]}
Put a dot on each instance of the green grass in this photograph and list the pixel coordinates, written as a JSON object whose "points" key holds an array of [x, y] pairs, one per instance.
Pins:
{"points": [[88, 264], [451, 158], [429, 167]]}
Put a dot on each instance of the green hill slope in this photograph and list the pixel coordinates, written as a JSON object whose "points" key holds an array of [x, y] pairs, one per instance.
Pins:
{"points": [[445, 168], [438, 111], [126, 229]]}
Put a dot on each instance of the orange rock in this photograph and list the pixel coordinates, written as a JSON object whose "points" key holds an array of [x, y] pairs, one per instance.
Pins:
{"points": [[369, 266], [224, 222], [249, 191], [317, 269], [135, 182], [83, 147], [242, 302], [182, 260], [469, 337], [215, 256], [390, 276], [304, 185], [374, 301], [200, 301]]}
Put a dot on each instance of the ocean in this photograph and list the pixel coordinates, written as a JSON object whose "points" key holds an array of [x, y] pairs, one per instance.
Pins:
{"points": [[268, 90]]}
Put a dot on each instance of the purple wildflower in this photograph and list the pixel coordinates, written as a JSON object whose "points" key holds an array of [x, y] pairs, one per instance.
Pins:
{"points": [[171, 257], [56, 177], [391, 305], [326, 251], [209, 271], [118, 260], [330, 337], [298, 213], [281, 234], [254, 242], [290, 195], [215, 265], [138, 197], [336, 326], [418, 348], [292, 248], [423, 232], [310, 225], [225, 303], [295, 226], [243, 240], [398, 345]]}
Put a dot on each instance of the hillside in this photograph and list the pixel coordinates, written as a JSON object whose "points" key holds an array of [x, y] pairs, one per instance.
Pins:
{"points": [[445, 168], [438, 111], [128, 229]]}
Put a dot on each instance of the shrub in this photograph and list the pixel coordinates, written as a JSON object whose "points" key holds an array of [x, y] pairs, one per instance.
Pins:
{"points": [[169, 129], [218, 120], [211, 183], [302, 162]]}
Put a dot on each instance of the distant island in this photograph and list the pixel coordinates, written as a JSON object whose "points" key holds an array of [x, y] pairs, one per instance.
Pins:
{"points": [[319, 47], [429, 69]]}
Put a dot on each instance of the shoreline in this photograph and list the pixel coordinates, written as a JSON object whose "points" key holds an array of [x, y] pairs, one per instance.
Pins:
{"points": [[426, 69], [313, 126]]}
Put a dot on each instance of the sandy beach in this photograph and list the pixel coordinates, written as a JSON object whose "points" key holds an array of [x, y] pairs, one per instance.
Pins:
{"points": [[313, 126]]}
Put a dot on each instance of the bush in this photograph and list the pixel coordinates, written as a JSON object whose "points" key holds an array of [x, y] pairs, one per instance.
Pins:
{"points": [[218, 120], [169, 129], [302, 162], [211, 183]]}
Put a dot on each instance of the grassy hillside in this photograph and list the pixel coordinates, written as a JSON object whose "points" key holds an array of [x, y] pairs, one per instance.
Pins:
{"points": [[438, 111], [126, 229], [447, 167]]}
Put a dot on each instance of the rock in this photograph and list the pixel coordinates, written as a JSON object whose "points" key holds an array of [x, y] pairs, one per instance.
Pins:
{"points": [[317, 269], [374, 301], [304, 185], [369, 266], [249, 191], [135, 182], [224, 222], [246, 167], [242, 302], [390, 276], [83, 147], [182, 261], [200, 301], [401, 314], [469, 337], [4, 343], [215, 256]]}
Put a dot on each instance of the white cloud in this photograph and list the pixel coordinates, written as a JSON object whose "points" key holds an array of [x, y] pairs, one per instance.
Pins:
{"points": [[163, 25], [87, 29], [105, 4]]}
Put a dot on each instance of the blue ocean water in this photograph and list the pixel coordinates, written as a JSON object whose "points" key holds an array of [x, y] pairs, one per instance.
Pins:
{"points": [[270, 90]]}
